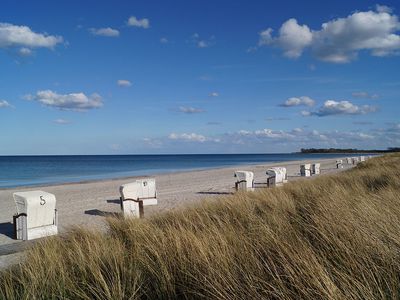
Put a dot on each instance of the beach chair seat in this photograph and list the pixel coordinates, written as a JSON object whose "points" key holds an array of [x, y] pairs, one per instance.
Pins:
{"points": [[339, 164], [136, 195], [36, 215], [305, 170], [244, 180], [284, 174], [276, 176], [315, 168]]}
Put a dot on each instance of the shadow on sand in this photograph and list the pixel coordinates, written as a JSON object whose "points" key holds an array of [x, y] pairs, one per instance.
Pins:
{"points": [[101, 213], [7, 229], [215, 193], [115, 201]]}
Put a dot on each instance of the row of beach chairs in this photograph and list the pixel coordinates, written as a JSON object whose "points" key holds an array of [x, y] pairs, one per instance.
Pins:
{"points": [[37, 214]]}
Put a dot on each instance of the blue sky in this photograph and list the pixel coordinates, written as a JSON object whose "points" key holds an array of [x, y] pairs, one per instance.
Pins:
{"points": [[138, 77]]}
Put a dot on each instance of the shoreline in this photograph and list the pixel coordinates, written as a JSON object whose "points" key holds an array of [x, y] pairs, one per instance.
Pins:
{"points": [[158, 173], [89, 203]]}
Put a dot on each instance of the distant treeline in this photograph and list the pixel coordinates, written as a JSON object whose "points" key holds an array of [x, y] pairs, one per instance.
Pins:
{"points": [[336, 150]]}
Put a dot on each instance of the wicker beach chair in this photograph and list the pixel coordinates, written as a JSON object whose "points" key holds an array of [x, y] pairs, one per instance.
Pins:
{"points": [[305, 170], [136, 195], [244, 180], [36, 215], [315, 168]]}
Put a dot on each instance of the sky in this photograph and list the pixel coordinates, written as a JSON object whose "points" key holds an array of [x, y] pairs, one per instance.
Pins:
{"points": [[163, 77]]}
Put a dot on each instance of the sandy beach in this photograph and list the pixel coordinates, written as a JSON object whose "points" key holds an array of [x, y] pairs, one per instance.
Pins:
{"points": [[88, 203]]}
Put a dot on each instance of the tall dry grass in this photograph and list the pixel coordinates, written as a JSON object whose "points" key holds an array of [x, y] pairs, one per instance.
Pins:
{"points": [[335, 237]]}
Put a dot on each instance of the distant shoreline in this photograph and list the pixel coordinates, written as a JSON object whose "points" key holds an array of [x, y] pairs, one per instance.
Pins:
{"points": [[345, 151], [75, 169]]}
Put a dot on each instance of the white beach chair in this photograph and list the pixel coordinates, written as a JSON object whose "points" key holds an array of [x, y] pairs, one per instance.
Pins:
{"points": [[348, 160], [276, 176], [362, 158], [244, 180], [284, 173], [36, 215], [339, 164], [305, 170], [315, 169], [354, 160], [136, 195]]}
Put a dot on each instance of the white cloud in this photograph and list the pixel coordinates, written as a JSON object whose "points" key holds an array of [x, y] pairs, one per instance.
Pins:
{"points": [[365, 95], [141, 23], [24, 51], [4, 104], [124, 83], [332, 107], [340, 40], [164, 40], [305, 113], [383, 9], [202, 43], [153, 143], [62, 121], [298, 101], [190, 110], [109, 32], [73, 101], [296, 137], [22, 36], [293, 38], [190, 137], [214, 94]]}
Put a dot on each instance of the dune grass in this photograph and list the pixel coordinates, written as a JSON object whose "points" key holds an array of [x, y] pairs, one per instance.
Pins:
{"points": [[334, 237]]}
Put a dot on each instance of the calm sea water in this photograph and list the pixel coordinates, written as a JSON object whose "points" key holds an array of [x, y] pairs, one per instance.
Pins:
{"points": [[38, 170]]}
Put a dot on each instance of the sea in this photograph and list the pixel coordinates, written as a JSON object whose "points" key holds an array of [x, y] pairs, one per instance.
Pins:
{"points": [[16, 171]]}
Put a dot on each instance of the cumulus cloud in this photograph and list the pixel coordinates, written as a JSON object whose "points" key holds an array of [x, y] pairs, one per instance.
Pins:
{"points": [[202, 43], [22, 36], [25, 51], [190, 110], [164, 40], [305, 113], [297, 137], [383, 8], [109, 32], [124, 83], [62, 121], [141, 23], [365, 95], [298, 101], [152, 143], [190, 137], [292, 38], [73, 101], [340, 40], [214, 94], [332, 107], [4, 104], [284, 140]]}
